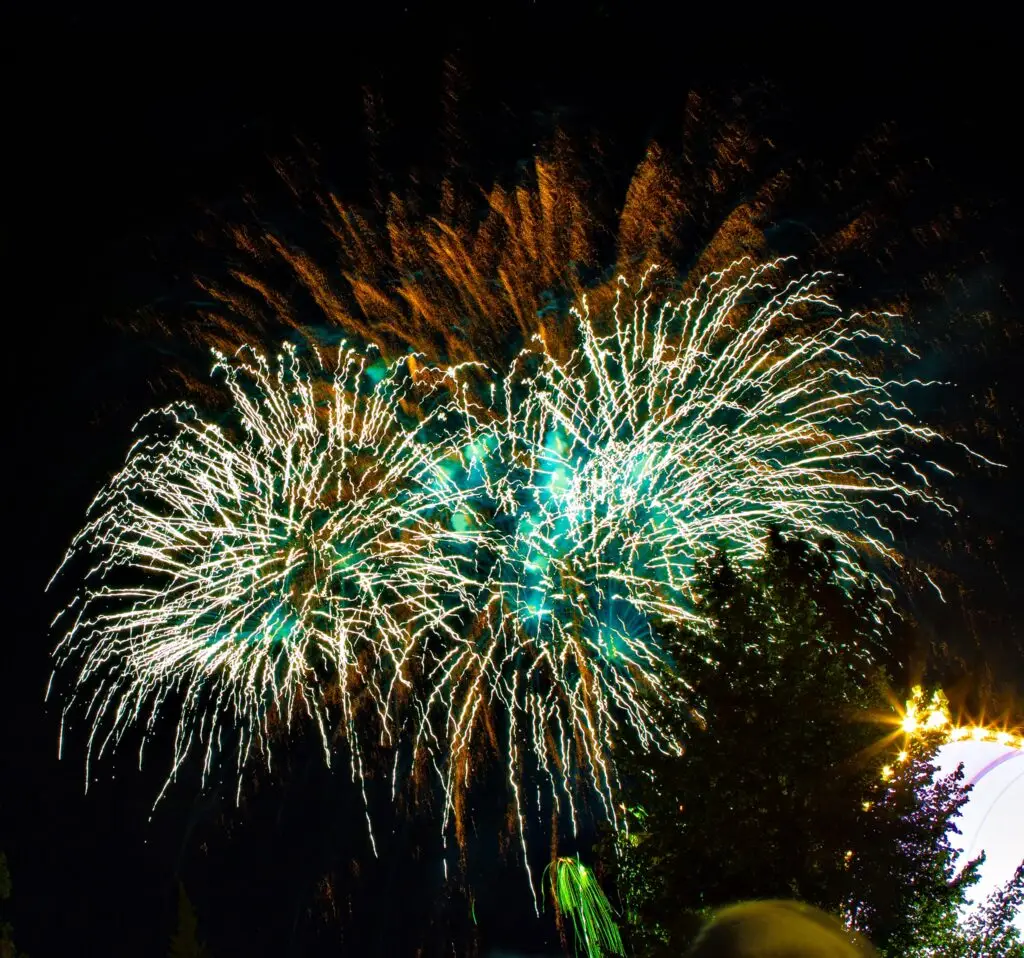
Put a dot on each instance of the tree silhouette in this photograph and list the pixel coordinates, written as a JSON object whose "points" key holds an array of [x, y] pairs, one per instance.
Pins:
{"points": [[7, 948], [185, 941]]}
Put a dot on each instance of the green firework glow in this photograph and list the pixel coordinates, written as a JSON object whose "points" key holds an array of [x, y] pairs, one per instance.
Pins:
{"points": [[577, 894]]}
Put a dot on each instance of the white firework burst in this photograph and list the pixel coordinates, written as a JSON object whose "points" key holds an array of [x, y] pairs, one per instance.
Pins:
{"points": [[246, 572]]}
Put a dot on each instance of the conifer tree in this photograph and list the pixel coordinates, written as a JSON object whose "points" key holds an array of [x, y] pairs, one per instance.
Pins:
{"points": [[185, 942]]}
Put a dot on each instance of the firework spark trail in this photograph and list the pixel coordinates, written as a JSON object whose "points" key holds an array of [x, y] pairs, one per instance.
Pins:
{"points": [[591, 484], [247, 572]]}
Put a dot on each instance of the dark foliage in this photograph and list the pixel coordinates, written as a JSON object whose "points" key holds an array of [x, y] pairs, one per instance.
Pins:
{"points": [[780, 793]]}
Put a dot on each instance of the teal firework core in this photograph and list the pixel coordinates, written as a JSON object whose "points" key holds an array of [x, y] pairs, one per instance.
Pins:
{"points": [[452, 552]]}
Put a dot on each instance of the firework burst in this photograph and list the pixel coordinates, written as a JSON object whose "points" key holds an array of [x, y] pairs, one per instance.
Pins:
{"points": [[589, 484], [471, 559], [249, 572], [498, 569]]}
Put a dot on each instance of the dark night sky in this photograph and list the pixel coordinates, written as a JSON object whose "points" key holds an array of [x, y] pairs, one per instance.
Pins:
{"points": [[115, 137]]}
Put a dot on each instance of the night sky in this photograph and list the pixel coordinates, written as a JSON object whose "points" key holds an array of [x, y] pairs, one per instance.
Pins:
{"points": [[119, 137]]}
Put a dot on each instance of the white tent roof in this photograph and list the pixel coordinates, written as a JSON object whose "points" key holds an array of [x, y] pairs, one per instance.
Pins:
{"points": [[993, 819]]}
